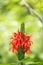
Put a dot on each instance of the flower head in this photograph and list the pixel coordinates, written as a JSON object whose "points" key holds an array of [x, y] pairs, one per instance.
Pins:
{"points": [[20, 40]]}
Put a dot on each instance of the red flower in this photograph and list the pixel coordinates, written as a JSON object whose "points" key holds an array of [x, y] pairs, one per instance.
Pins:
{"points": [[20, 40]]}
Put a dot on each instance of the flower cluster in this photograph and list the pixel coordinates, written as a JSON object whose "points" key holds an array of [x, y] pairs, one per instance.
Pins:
{"points": [[19, 40]]}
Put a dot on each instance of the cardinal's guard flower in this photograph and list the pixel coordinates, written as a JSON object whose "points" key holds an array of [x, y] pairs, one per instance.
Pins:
{"points": [[21, 43], [20, 40]]}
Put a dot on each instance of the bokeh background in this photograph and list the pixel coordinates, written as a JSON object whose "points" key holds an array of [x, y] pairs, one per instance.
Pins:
{"points": [[12, 14]]}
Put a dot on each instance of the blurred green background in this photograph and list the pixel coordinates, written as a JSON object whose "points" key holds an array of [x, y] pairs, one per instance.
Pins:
{"points": [[12, 14]]}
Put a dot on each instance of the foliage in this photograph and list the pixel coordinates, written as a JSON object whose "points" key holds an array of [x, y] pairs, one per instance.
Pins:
{"points": [[12, 14]]}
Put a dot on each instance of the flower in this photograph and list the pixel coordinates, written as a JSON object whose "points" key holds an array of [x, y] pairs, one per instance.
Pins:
{"points": [[20, 40]]}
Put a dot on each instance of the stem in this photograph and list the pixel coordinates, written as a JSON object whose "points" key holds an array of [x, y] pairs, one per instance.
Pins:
{"points": [[23, 28], [32, 11], [21, 53], [22, 63]]}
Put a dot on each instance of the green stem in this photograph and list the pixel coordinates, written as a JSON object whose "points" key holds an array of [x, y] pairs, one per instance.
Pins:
{"points": [[23, 28], [21, 54], [22, 63]]}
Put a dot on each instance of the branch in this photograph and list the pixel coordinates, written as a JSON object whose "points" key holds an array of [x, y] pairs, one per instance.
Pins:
{"points": [[32, 11]]}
